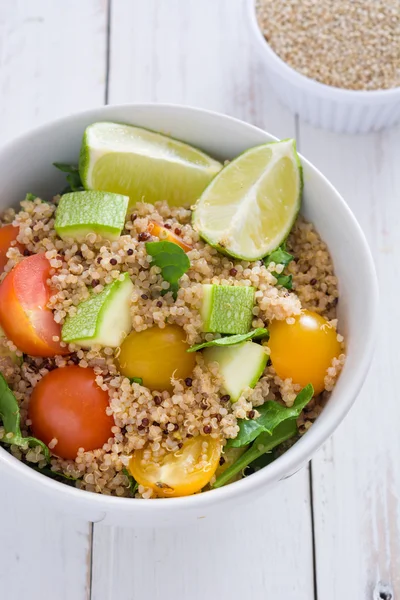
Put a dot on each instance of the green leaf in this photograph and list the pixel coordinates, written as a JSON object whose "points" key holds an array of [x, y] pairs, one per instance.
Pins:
{"points": [[133, 485], [30, 197], [279, 257], [10, 415], [57, 475], [172, 261], [73, 177], [66, 168], [285, 281], [138, 380], [230, 340], [272, 414], [262, 445]]}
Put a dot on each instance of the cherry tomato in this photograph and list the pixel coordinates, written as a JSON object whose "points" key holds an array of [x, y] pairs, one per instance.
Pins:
{"points": [[304, 350], [24, 316], [67, 404], [180, 473], [8, 233], [166, 234], [156, 355]]}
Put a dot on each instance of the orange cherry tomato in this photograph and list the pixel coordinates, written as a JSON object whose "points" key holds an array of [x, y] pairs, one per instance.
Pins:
{"points": [[179, 473], [166, 234], [67, 404], [304, 350], [155, 355], [8, 233], [24, 316]]}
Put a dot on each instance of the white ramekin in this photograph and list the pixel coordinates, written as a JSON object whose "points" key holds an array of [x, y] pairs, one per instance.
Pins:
{"points": [[26, 166], [337, 109]]}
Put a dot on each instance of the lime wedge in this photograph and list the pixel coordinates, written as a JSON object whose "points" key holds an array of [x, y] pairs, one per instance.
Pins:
{"points": [[227, 308], [144, 165], [249, 208], [80, 213]]}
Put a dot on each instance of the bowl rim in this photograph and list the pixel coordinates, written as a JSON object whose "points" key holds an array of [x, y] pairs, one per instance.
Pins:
{"points": [[284, 466], [312, 85]]}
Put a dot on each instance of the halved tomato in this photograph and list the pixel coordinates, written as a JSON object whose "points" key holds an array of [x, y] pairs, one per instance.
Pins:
{"points": [[24, 316], [167, 235], [8, 233]]}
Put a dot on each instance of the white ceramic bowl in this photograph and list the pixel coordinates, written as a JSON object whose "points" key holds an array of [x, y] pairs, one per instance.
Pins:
{"points": [[338, 109], [26, 166]]}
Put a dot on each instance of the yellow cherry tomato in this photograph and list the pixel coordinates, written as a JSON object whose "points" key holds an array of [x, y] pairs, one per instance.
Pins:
{"points": [[179, 473], [304, 350], [156, 355]]}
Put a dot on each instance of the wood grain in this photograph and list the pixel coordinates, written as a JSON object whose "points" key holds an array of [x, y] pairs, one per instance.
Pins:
{"points": [[356, 479], [52, 62]]}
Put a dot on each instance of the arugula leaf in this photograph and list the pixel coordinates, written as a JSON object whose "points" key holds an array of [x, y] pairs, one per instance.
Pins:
{"points": [[30, 197], [133, 485], [172, 261], [73, 177], [262, 445], [10, 415], [138, 380], [55, 474], [281, 257], [285, 281], [271, 415], [230, 340]]}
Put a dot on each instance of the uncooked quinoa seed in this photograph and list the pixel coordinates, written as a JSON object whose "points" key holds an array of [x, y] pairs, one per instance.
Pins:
{"points": [[353, 44]]}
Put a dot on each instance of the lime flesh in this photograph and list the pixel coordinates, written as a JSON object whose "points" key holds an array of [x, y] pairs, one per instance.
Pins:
{"points": [[249, 208], [144, 165]]}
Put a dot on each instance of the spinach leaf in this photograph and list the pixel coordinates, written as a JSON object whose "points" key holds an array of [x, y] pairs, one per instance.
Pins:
{"points": [[230, 340], [280, 257], [73, 177], [172, 261], [30, 197], [57, 475], [133, 485], [271, 415], [10, 415], [262, 445], [138, 380]]}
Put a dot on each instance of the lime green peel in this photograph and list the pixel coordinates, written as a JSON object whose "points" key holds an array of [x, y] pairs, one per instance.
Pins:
{"points": [[249, 208], [144, 165]]}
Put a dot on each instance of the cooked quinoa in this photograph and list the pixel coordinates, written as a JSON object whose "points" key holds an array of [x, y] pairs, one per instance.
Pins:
{"points": [[162, 421], [353, 44]]}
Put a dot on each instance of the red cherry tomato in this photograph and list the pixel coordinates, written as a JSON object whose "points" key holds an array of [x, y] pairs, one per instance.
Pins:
{"points": [[8, 233], [24, 316], [67, 404]]}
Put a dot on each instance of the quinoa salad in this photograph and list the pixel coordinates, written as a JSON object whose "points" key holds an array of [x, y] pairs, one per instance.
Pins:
{"points": [[153, 343]]}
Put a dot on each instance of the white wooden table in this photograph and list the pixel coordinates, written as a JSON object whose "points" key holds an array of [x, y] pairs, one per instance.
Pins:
{"points": [[331, 532]]}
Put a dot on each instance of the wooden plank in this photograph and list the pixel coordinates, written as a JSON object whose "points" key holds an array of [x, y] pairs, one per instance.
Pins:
{"points": [[356, 480], [256, 552], [199, 53], [52, 62]]}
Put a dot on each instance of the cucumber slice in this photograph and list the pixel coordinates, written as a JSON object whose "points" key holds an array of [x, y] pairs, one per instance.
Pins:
{"points": [[5, 352], [80, 213], [227, 308], [104, 319], [240, 366]]}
